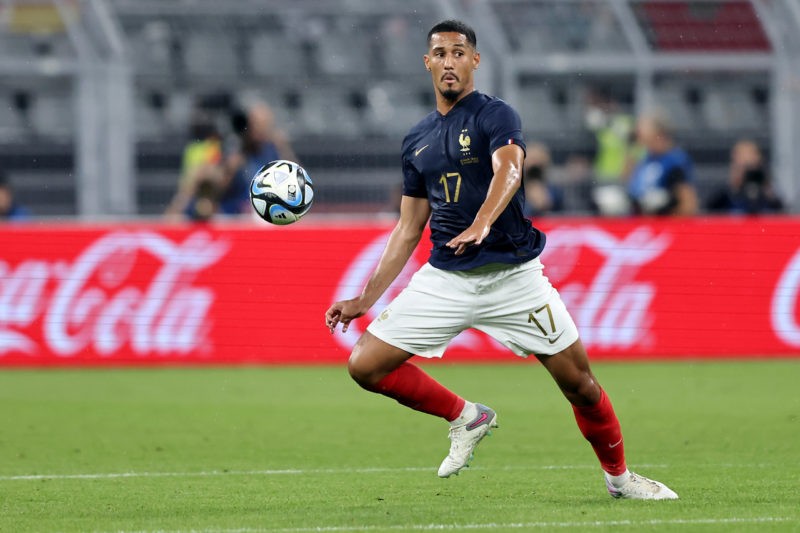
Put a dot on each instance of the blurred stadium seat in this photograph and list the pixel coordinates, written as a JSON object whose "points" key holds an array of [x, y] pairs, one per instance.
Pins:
{"points": [[392, 109], [703, 26], [12, 124], [567, 26], [53, 115], [211, 54], [270, 54], [731, 107], [540, 112]]}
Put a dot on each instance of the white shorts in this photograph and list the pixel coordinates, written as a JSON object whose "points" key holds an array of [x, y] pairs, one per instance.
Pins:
{"points": [[514, 304]]}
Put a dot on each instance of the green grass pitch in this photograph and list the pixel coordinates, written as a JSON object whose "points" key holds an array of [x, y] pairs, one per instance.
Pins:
{"points": [[304, 449]]}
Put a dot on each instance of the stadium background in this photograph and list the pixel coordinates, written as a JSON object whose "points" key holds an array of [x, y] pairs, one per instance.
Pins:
{"points": [[239, 415], [97, 96]]}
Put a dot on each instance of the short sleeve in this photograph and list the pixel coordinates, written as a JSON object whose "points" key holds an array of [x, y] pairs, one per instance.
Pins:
{"points": [[413, 182], [502, 125]]}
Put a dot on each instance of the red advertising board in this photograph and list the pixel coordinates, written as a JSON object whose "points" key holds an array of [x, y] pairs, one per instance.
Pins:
{"points": [[151, 294]]}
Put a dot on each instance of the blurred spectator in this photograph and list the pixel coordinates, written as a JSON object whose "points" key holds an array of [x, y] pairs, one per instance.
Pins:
{"points": [[662, 183], [749, 190], [615, 153], [10, 209], [200, 170], [541, 196], [613, 130], [577, 182], [260, 143], [204, 203]]}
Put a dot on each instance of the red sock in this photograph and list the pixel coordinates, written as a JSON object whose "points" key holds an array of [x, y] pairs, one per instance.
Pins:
{"points": [[412, 387], [600, 426]]}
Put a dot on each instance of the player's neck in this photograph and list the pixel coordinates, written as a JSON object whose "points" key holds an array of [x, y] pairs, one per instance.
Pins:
{"points": [[444, 106]]}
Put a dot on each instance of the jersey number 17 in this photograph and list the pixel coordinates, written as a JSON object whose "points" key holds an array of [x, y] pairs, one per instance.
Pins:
{"points": [[445, 181]]}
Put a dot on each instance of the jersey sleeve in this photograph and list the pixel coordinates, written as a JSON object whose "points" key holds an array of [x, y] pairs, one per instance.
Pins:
{"points": [[502, 125], [413, 182]]}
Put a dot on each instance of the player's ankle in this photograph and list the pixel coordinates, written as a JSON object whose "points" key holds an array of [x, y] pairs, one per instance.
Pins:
{"points": [[467, 413], [620, 480]]}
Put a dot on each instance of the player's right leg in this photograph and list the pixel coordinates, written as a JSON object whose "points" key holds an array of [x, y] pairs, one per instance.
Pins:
{"points": [[380, 367]]}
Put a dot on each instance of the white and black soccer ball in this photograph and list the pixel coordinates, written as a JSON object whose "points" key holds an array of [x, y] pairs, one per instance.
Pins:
{"points": [[281, 192]]}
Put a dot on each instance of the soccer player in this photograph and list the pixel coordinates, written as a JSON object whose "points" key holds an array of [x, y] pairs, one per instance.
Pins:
{"points": [[462, 167]]}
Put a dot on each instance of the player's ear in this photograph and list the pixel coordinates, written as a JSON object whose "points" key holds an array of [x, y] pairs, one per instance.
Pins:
{"points": [[427, 59], [476, 59]]}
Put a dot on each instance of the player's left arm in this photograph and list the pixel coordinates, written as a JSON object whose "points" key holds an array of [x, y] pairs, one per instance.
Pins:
{"points": [[507, 167]]}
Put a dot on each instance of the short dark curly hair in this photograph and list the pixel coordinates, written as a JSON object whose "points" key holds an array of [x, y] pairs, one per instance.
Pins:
{"points": [[456, 26]]}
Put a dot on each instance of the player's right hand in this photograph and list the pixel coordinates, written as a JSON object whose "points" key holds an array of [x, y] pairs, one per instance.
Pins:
{"points": [[344, 312]]}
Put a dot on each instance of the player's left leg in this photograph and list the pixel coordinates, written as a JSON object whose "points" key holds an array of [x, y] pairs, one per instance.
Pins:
{"points": [[599, 424], [522, 310], [593, 411]]}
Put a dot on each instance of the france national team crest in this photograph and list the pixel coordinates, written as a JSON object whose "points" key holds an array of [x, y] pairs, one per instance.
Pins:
{"points": [[465, 141]]}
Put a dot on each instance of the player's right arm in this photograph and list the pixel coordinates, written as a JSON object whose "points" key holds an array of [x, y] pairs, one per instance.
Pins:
{"points": [[414, 214]]}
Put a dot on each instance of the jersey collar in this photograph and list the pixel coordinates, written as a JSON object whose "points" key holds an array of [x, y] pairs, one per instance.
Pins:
{"points": [[463, 101]]}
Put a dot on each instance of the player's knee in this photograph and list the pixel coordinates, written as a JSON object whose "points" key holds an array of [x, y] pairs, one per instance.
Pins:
{"points": [[584, 390], [579, 386], [589, 390], [361, 372]]}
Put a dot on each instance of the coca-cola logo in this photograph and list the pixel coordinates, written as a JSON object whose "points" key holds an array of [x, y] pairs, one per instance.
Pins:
{"points": [[612, 308], [785, 302], [130, 290]]}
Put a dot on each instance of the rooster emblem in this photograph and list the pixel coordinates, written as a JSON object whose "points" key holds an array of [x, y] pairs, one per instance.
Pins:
{"points": [[464, 141]]}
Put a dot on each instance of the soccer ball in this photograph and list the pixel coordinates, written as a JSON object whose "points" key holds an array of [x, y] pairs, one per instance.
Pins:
{"points": [[281, 192]]}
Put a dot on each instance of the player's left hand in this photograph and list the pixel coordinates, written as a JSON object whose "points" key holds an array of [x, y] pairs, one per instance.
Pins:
{"points": [[343, 312], [473, 235]]}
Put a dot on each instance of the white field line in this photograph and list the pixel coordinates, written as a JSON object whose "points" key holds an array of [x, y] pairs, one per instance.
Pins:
{"points": [[277, 472], [288, 472], [333, 471], [495, 525], [320, 471], [329, 471]]}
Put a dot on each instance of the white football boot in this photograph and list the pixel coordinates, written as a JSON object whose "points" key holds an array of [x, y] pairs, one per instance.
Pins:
{"points": [[465, 437], [640, 488]]}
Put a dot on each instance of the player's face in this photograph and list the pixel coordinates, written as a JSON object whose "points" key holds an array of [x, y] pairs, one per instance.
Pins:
{"points": [[451, 60]]}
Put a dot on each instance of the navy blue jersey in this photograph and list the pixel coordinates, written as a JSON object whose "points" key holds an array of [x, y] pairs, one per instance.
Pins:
{"points": [[448, 160]]}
